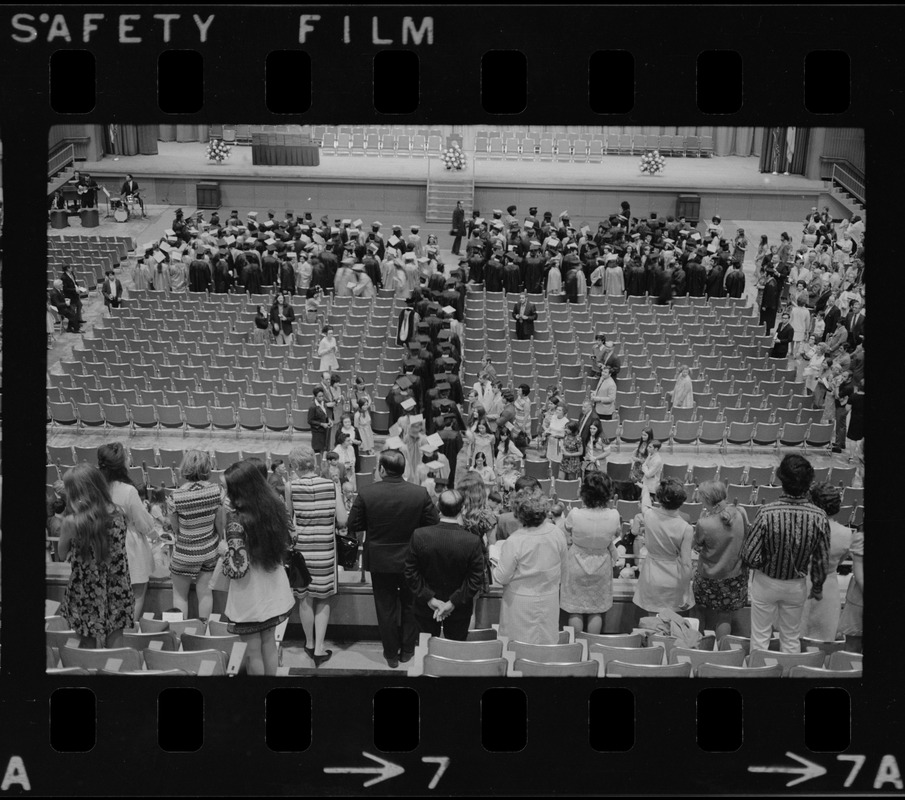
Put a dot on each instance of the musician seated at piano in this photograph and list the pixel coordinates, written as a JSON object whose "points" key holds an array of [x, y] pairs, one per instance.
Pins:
{"points": [[130, 187], [86, 187]]}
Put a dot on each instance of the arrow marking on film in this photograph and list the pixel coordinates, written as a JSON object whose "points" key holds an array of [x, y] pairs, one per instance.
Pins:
{"points": [[806, 771], [384, 772]]}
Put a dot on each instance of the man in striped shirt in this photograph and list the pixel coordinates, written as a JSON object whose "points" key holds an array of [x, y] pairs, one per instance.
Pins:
{"points": [[789, 539]]}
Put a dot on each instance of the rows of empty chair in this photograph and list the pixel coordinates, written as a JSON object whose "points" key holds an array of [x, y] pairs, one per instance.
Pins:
{"points": [[90, 256], [196, 372], [487, 654], [156, 647], [581, 148]]}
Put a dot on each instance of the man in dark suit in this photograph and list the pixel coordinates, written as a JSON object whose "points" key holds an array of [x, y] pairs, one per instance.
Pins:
{"points": [[458, 227], [444, 569], [831, 316], [62, 304], [71, 292], [389, 511], [524, 314], [782, 337], [112, 290], [735, 280], [855, 323]]}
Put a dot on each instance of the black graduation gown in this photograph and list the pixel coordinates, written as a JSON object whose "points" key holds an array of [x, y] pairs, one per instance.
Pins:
{"points": [[512, 278], [696, 278], [251, 278], [533, 271], [635, 281], [476, 268], [271, 269], [735, 283], [715, 282], [493, 276], [199, 276]]}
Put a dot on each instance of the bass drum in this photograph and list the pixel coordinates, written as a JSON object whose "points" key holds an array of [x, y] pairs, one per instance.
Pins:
{"points": [[120, 215]]}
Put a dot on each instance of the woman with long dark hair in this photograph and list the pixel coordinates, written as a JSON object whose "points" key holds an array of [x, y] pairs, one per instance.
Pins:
{"points": [[111, 460], [98, 603], [257, 538]]}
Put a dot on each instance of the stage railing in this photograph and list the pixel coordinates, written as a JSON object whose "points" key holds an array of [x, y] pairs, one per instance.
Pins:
{"points": [[850, 179], [60, 160]]}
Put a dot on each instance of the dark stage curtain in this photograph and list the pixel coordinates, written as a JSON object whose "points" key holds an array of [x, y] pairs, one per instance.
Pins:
{"points": [[130, 140]]}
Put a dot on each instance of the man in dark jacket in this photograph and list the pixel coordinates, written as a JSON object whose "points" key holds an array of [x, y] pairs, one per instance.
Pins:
{"points": [[390, 511], [444, 570], [735, 280], [524, 314], [59, 301], [458, 227]]}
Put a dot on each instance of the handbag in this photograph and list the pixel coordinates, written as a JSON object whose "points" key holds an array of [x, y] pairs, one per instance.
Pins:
{"points": [[219, 582], [346, 550], [297, 569]]}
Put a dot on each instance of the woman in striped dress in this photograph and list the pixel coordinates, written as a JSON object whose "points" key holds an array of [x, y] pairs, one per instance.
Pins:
{"points": [[317, 509], [197, 518]]}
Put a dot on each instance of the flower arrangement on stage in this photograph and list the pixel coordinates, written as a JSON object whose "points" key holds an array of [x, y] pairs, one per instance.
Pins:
{"points": [[453, 157], [653, 163], [217, 150]]}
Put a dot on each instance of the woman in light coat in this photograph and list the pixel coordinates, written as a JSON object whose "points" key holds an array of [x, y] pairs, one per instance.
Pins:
{"points": [[530, 569], [664, 583]]}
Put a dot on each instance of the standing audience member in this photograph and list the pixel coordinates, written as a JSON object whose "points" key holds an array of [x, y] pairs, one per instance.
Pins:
{"points": [[572, 453], [390, 510], [683, 391], [197, 519], [257, 537], [605, 395], [820, 618], [790, 538], [651, 470], [587, 588], [530, 569], [843, 390], [721, 581], [98, 603], [851, 623], [328, 349], [317, 510], [282, 316], [111, 460], [444, 569], [319, 420], [666, 572]]}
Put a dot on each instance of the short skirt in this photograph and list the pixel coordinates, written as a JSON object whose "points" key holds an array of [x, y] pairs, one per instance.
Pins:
{"points": [[724, 594]]}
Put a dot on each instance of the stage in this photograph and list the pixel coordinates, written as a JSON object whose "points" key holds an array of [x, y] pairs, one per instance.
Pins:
{"points": [[388, 188]]}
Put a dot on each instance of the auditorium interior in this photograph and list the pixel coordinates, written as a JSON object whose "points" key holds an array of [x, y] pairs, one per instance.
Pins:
{"points": [[128, 360]]}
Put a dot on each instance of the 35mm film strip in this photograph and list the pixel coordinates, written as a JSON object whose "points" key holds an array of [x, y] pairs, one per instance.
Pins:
{"points": [[438, 67]]}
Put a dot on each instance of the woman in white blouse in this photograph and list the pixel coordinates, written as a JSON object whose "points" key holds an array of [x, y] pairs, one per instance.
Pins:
{"points": [[328, 350]]}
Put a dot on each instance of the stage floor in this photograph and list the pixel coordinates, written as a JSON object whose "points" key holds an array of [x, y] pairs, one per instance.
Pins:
{"points": [[725, 174]]}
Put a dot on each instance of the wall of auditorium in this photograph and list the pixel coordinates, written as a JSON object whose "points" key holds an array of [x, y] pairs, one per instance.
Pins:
{"points": [[384, 199], [591, 205]]}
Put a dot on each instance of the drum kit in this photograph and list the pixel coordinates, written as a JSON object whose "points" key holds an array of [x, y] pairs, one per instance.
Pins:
{"points": [[123, 210]]}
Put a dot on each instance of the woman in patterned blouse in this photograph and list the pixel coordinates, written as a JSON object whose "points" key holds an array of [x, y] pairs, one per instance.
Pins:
{"points": [[197, 518], [317, 509]]}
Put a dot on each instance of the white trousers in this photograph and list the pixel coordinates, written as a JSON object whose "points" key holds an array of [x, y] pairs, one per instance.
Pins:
{"points": [[776, 603]]}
